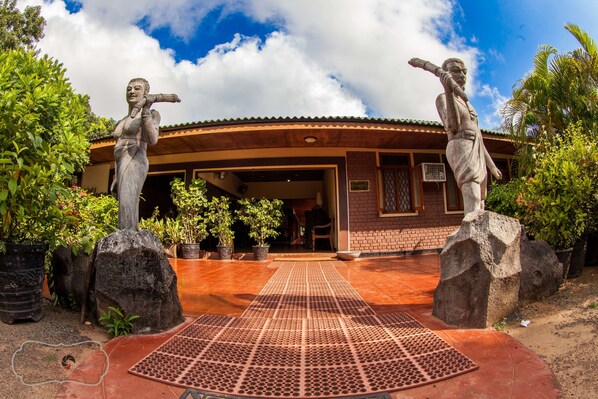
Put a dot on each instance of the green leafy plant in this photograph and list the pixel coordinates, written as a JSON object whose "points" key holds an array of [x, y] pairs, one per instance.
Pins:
{"points": [[191, 203], [168, 230], [502, 198], [559, 197], [261, 216], [221, 219], [173, 231], [593, 305], [560, 90], [86, 219], [117, 321], [20, 29], [500, 325], [155, 225], [43, 130]]}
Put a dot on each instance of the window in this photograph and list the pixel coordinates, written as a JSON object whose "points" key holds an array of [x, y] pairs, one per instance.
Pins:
{"points": [[396, 188], [453, 196]]}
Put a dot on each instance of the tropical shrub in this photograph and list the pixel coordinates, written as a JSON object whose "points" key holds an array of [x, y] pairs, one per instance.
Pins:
{"points": [[43, 144], [168, 230], [155, 225], [221, 219], [191, 203], [261, 216], [562, 193], [559, 91], [502, 198], [86, 218]]}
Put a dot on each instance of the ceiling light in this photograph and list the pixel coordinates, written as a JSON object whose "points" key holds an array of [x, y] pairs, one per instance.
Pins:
{"points": [[221, 175]]}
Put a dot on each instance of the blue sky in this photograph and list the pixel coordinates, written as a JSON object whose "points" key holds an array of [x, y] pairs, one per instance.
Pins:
{"points": [[240, 58]]}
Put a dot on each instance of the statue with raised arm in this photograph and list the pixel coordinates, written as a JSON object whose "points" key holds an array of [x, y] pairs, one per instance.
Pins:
{"points": [[465, 151], [133, 133]]}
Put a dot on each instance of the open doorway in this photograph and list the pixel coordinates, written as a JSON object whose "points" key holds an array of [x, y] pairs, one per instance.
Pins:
{"points": [[309, 196], [156, 193]]}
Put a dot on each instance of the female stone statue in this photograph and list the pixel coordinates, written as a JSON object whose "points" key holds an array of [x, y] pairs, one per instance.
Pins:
{"points": [[465, 151], [133, 133]]}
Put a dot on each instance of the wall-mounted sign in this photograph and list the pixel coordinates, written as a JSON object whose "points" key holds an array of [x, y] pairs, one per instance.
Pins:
{"points": [[359, 185]]}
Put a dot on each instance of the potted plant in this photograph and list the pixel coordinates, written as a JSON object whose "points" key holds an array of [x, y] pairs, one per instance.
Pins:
{"points": [[173, 235], [557, 198], [262, 217], [155, 225], [168, 231], [191, 203], [86, 219], [220, 220], [43, 143]]}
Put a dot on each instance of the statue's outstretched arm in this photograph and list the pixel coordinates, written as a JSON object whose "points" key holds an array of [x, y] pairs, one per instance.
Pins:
{"points": [[491, 165]]}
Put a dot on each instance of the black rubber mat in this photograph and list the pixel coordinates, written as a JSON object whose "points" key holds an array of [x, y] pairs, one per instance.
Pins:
{"points": [[308, 334]]}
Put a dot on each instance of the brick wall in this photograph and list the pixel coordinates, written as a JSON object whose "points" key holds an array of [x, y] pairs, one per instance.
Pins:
{"points": [[371, 233]]}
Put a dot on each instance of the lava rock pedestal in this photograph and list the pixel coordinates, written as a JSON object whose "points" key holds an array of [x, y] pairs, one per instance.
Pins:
{"points": [[480, 271], [133, 273], [541, 271]]}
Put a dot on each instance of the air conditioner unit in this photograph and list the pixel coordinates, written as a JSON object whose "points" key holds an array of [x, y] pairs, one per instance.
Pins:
{"points": [[433, 172]]}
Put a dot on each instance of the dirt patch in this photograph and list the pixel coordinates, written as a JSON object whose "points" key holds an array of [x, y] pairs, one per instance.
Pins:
{"points": [[49, 350], [564, 332]]}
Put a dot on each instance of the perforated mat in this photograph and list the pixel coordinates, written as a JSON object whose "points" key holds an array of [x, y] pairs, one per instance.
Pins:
{"points": [[307, 334]]}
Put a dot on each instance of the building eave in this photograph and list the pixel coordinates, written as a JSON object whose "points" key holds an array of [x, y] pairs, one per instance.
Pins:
{"points": [[289, 132]]}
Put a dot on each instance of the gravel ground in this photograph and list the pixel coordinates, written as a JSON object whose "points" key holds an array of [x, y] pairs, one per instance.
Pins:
{"points": [[36, 362]]}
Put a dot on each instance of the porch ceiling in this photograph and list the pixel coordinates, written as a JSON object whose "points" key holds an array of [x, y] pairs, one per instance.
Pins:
{"points": [[219, 137]]}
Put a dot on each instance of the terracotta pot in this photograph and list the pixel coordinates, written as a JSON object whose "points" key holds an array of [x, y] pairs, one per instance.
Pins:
{"points": [[21, 282], [224, 252], [260, 253], [190, 251]]}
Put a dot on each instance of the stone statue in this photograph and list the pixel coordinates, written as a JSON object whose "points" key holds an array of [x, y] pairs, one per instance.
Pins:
{"points": [[465, 151], [133, 133]]}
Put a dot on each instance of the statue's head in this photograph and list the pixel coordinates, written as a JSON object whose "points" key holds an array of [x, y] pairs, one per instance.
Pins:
{"points": [[136, 89], [456, 67]]}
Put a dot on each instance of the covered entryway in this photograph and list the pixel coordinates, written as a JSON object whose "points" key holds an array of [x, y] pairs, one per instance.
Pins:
{"points": [[309, 195]]}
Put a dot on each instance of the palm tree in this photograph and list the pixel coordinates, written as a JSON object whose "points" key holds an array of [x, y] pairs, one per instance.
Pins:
{"points": [[584, 62], [560, 90]]}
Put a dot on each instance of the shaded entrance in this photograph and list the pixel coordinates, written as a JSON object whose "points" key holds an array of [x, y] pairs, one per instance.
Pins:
{"points": [[156, 193], [309, 198]]}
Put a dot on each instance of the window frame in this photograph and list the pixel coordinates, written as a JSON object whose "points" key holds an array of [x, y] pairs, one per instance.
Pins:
{"points": [[449, 210], [415, 184]]}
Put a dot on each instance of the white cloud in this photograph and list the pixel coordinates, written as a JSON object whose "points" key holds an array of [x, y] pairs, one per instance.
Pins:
{"points": [[493, 119], [368, 44], [334, 57], [181, 16], [248, 78], [237, 79]]}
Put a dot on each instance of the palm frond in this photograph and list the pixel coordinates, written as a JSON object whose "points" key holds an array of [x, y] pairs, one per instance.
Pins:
{"points": [[585, 40]]}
